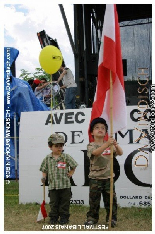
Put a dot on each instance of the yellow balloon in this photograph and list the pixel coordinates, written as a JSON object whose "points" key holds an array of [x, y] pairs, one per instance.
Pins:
{"points": [[50, 59]]}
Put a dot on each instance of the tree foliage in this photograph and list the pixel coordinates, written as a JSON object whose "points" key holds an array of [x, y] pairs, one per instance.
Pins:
{"points": [[25, 75], [38, 74]]}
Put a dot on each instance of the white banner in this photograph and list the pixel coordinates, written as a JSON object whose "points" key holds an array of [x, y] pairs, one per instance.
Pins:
{"points": [[132, 169]]}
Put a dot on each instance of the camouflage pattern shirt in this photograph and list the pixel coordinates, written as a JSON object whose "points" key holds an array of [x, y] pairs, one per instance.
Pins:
{"points": [[99, 165], [57, 170]]}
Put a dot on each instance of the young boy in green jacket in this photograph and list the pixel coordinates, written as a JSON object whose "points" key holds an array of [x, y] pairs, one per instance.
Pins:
{"points": [[59, 167]]}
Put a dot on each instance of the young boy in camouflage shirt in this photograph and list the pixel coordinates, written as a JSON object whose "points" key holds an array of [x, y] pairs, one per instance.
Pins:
{"points": [[99, 155], [59, 167]]}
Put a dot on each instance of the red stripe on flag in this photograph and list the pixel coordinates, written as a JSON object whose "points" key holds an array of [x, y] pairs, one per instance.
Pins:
{"points": [[43, 210], [109, 54]]}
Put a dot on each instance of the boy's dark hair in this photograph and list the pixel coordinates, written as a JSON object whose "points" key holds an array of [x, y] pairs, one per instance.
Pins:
{"points": [[96, 121], [30, 81], [50, 144], [44, 79]]}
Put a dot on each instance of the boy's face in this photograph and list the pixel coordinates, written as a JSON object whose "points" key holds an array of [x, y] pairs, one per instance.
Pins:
{"points": [[57, 148], [43, 81], [99, 130]]}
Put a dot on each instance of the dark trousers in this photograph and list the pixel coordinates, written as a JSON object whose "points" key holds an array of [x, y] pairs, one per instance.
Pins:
{"points": [[98, 187], [70, 97], [59, 203]]}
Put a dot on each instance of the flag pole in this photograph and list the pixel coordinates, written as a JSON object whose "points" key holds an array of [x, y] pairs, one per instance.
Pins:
{"points": [[44, 194], [111, 150]]}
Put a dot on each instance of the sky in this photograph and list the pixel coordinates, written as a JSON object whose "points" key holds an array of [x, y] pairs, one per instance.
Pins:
{"points": [[22, 25]]}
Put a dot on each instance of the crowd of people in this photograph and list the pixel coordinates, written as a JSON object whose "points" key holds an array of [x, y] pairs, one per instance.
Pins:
{"points": [[45, 90]]}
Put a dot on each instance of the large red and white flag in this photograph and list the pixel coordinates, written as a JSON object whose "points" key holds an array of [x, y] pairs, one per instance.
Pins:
{"points": [[42, 212], [110, 59]]}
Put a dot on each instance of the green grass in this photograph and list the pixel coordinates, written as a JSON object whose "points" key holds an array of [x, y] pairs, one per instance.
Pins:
{"points": [[20, 217]]}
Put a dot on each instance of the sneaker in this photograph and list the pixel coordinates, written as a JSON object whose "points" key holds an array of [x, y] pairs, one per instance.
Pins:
{"points": [[90, 222], [63, 221], [113, 223], [53, 221]]}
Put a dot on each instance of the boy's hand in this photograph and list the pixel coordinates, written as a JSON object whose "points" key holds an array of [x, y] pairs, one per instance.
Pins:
{"points": [[69, 174], [115, 143], [111, 140], [43, 179]]}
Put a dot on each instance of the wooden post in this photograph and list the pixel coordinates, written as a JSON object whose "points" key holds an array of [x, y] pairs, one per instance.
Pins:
{"points": [[44, 191], [111, 149]]}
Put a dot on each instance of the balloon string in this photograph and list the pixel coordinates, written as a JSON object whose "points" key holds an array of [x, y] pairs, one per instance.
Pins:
{"points": [[51, 104]]}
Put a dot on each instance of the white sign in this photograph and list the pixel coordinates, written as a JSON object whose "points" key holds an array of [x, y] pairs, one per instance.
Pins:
{"points": [[132, 169]]}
